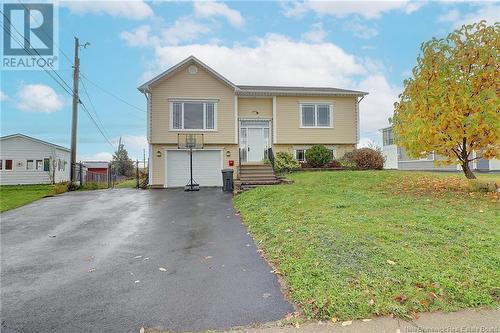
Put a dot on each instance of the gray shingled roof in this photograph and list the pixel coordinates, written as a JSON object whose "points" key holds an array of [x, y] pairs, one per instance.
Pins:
{"points": [[325, 90]]}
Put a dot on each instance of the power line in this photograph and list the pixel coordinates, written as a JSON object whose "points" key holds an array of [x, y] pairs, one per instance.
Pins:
{"points": [[93, 107], [39, 55], [111, 94], [69, 60], [48, 73], [46, 34], [96, 125]]}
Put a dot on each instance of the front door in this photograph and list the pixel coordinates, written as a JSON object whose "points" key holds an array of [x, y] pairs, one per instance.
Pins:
{"points": [[256, 145]]}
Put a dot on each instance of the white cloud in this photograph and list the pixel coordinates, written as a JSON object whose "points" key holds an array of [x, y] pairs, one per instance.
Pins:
{"points": [[208, 9], [309, 64], [39, 98], [450, 16], [137, 142], [488, 11], [139, 37], [135, 9], [184, 29], [3, 96], [377, 107], [371, 9], [360, 30], [316, 35], [101, 156]]}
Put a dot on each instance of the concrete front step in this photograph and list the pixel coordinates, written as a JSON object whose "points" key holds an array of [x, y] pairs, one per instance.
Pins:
{"points": [[256, 170], [257, 175]]}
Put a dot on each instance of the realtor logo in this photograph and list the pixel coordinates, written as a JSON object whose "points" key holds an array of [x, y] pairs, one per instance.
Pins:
{"points": [[29, 33]]}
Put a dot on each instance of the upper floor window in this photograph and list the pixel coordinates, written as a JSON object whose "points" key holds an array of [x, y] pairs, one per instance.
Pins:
{"points": [[388, 137], [193, 115], [316, 115]]}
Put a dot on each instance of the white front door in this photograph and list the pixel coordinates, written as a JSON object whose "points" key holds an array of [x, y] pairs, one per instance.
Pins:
{"points": [[256, 145]]}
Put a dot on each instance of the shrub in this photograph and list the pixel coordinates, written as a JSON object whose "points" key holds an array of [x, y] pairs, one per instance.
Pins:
{"points": [[61, 188], [318, 155], [366, 159], [72, 186], [284, 162]]}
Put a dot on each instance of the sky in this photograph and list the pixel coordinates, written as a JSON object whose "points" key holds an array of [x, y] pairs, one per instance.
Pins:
{"points": [[362, 45]]}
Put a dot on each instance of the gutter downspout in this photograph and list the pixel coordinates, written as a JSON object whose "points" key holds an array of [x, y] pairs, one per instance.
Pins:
{"points": [[357, 119], [147, 94]]}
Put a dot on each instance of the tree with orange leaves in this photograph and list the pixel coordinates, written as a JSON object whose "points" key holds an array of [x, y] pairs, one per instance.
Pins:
{"points": [[450, 104]]}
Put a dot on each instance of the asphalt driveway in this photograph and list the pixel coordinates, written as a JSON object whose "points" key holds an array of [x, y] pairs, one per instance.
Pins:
{"points": [[90, 262]]}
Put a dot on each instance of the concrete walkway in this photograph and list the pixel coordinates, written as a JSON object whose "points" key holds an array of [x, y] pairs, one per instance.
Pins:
{"points": [[469, 321]]}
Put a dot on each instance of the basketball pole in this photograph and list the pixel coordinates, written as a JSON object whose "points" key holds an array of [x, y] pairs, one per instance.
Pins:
{"points": [[192, 186]]}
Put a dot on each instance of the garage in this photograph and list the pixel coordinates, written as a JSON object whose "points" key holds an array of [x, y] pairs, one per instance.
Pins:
{"points": [[207, 166]]}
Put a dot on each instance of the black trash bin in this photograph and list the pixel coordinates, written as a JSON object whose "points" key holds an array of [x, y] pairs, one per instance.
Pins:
{"points": [[227, 180]]}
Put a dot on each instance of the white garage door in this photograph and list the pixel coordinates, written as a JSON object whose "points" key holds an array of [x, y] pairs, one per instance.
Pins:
{"points": [[207, 165]]}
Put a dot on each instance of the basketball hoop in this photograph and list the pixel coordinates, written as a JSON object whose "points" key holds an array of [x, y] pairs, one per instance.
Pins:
{"points": [[190, 141]]}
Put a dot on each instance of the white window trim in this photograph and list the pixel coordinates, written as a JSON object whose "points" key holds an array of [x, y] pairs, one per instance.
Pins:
{"points": [[330, 107], [171, 116]]}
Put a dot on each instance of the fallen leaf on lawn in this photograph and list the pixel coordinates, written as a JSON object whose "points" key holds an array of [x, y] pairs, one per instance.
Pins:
{"points": [[297, 325], [366, 319], [400, 298], [288, 230], [347, 323], [91, 270], [137, 281], [266, 295], [371, 302], [163, 269], [137, 257], [141, 330], [390, 262], [208, 257], [334, 319], [481, 211]]}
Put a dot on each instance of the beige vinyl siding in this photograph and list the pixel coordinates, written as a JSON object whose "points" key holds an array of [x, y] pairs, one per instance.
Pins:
{"points": [[248, 106], [183, 85], [344, 129], [340, 149], [159, 162]]}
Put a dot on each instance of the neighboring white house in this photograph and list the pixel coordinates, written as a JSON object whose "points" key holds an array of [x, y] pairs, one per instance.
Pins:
{"points": [[27, 160], [396, 158]]}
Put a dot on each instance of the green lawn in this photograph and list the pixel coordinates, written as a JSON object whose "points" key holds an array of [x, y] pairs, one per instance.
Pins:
{"points": [[355, 244], [13, 196], [128, 183]]}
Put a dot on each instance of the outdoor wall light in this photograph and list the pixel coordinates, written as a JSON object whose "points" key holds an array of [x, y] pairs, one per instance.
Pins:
{"points": [[158, 153], [228, 153]]}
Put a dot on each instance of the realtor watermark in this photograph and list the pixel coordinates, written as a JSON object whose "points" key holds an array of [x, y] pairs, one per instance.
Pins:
{"points": [[453, 329], [30, 33]]}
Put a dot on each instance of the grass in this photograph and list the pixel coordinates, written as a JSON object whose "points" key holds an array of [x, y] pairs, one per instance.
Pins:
{"points": [[356, 244], [13, 196], [128, 183]]}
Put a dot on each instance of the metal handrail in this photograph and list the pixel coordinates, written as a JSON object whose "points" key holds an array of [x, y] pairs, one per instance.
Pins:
{"points": [[270, 156]]}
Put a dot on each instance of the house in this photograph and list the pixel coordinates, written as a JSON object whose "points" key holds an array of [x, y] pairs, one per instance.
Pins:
{"points": [[239, 123], [27, 160], [397, 158], [97, 167]]}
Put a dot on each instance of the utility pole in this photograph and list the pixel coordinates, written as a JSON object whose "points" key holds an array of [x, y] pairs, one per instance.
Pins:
{"points": [[144, 158], [74, 121]]}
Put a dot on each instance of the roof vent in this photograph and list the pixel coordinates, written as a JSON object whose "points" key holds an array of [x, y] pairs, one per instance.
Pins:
{"points": [[192, 69]]}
